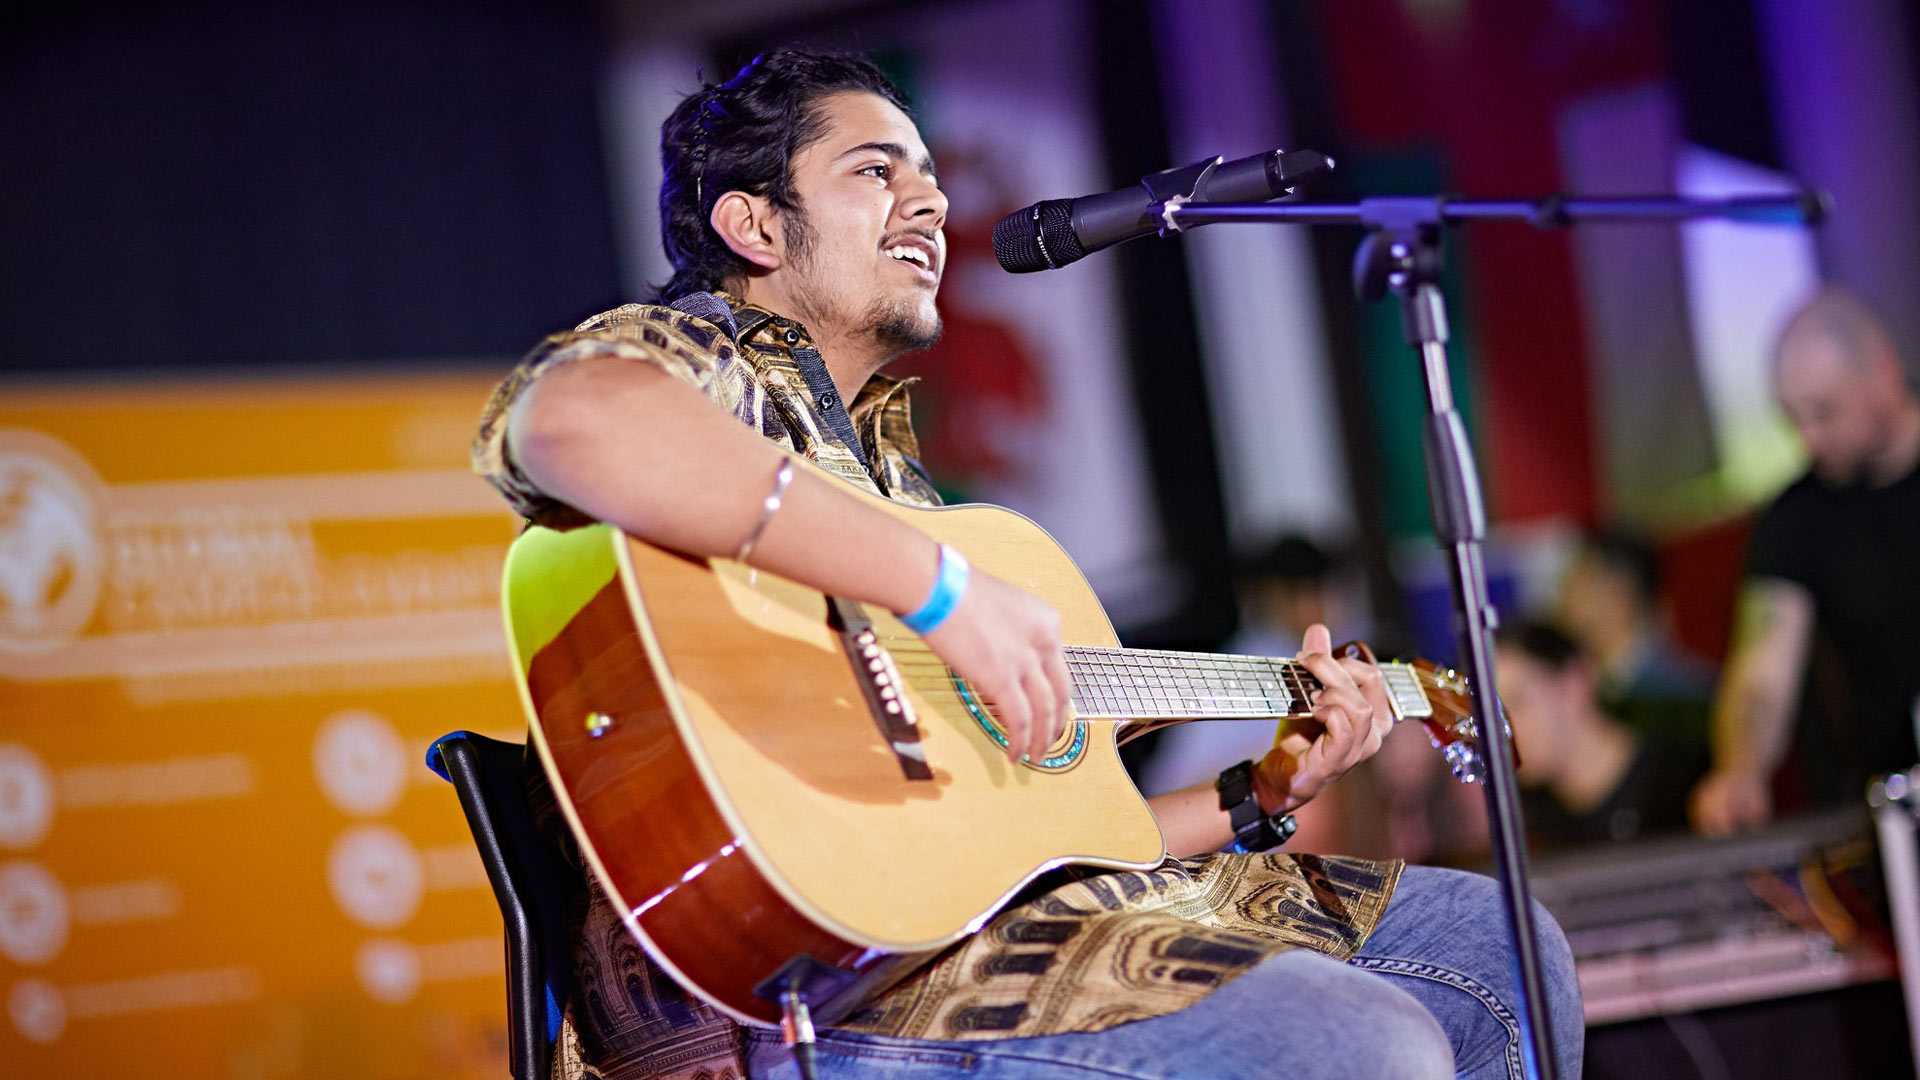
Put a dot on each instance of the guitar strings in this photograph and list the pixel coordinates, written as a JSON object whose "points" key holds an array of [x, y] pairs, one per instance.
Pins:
{"points": [[1146, 683], [1127, 697]]}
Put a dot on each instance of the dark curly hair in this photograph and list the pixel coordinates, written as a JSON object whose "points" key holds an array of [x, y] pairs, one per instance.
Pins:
{"points": [[743, 135]]}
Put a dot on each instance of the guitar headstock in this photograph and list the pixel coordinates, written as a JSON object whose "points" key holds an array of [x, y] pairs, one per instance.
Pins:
{"points": [[1440, 699], [1450, 721]]}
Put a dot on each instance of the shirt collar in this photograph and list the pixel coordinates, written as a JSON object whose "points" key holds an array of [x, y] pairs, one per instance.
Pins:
{"points": [[882, 395], [762, 327]]}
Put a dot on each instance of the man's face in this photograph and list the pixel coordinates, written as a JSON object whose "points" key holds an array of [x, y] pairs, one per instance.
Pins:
{"points": [[1835, 404], [867, 252]]}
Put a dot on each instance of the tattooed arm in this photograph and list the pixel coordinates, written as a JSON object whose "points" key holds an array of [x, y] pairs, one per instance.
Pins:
{"points": [[1754, 710]]}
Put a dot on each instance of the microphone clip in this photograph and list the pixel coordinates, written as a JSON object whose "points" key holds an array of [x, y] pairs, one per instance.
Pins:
{"points": [[1172, 188]]}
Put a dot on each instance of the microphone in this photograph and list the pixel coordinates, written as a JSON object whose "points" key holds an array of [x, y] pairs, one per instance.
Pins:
{"points": [[1052, 233]]}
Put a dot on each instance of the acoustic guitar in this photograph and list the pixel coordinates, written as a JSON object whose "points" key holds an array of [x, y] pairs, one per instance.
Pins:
{"points": [[783, 789]]}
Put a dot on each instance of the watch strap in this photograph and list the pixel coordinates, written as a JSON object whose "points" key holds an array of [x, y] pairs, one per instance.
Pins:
{"points": [[1253, 828]]}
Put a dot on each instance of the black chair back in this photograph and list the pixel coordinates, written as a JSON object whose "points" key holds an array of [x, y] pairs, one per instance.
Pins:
{"points": [[530, 882]]}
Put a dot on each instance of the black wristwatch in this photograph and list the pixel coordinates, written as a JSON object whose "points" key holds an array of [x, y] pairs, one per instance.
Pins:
{"points": [[1253, 828]]}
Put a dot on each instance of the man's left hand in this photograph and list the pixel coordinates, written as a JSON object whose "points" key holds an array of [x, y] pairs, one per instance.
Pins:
{"points": [[1351, 714]]}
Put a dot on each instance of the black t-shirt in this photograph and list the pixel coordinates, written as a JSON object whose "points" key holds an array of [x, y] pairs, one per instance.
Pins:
{"points": [[1857, 551], [1649, 800]]}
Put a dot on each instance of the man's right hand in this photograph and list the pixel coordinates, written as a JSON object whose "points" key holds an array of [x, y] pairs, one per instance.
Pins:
{"points": [[1006, 642], [1728, 800]]}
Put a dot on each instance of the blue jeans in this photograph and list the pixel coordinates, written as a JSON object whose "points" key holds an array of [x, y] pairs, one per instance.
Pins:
{"points": [[1430, 994]]}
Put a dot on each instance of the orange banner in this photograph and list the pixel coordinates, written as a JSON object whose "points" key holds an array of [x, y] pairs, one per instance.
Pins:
{"points": [[232, 617]]}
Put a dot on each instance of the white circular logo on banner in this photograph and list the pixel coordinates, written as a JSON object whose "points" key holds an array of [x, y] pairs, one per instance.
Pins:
{"points": [[26, 797], [361, 763], [33, 913], [389, 970], [376, 876], [49, 549], [39, 1011]]}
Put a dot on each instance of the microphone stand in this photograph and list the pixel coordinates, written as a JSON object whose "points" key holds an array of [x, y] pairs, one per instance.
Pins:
{"points": [[1401, 255]]}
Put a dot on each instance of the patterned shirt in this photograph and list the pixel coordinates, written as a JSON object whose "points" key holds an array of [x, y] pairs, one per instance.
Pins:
{"points": [[1082, 951], [761, 367]]}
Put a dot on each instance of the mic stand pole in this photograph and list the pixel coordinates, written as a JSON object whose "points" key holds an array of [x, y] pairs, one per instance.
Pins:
{"points": [[1401, 255]]}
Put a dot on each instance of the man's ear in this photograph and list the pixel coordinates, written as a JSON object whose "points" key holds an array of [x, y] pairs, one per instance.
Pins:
{"points": [[745, 223]]}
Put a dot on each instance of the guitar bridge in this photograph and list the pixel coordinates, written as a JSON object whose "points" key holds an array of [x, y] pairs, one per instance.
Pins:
{"points": [[880, 685]]}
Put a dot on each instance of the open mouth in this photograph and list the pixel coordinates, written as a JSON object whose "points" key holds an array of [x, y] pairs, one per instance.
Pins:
{"points": [[914, 253]]}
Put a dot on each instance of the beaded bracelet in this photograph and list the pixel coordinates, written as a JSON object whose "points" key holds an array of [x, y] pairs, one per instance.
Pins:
{"points": [[948, 586]]}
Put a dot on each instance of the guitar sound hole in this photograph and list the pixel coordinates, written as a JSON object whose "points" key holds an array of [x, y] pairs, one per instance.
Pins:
{"points": [[1064, 754]]}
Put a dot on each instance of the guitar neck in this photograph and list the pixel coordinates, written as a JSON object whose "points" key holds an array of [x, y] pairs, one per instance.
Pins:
{"points": [[1148, 684]]}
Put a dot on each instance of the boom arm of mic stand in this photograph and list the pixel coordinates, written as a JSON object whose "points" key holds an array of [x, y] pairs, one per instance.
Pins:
{"points": [[1548, 212]]}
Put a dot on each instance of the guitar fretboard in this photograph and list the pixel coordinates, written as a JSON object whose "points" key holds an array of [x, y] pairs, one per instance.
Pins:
{"points": [[1147, 684]]}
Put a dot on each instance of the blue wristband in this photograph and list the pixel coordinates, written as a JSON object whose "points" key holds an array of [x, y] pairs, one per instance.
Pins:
{"points": [[948, 587]]}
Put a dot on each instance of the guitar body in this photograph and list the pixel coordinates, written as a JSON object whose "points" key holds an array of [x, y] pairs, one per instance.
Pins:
{"points": [[716, 755]]}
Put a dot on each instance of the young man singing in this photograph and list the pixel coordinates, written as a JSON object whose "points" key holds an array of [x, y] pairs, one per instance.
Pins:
{"points": [[802, 212]]}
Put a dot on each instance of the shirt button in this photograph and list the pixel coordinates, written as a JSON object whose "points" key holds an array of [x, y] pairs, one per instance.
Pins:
{"points": [[827, 399], [792, 337]]}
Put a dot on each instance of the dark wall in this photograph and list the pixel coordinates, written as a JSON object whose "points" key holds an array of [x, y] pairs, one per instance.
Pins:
{"points": [[232, 184]]}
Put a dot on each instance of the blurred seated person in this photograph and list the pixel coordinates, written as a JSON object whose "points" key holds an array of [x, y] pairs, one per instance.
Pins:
{"points": [[1587, 778], [1288, 585], [1283, 587], [1835, 558], [1610, 605]]}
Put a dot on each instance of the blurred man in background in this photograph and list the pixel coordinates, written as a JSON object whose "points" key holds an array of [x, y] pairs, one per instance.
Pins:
{"points": [[1837, 555]]}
